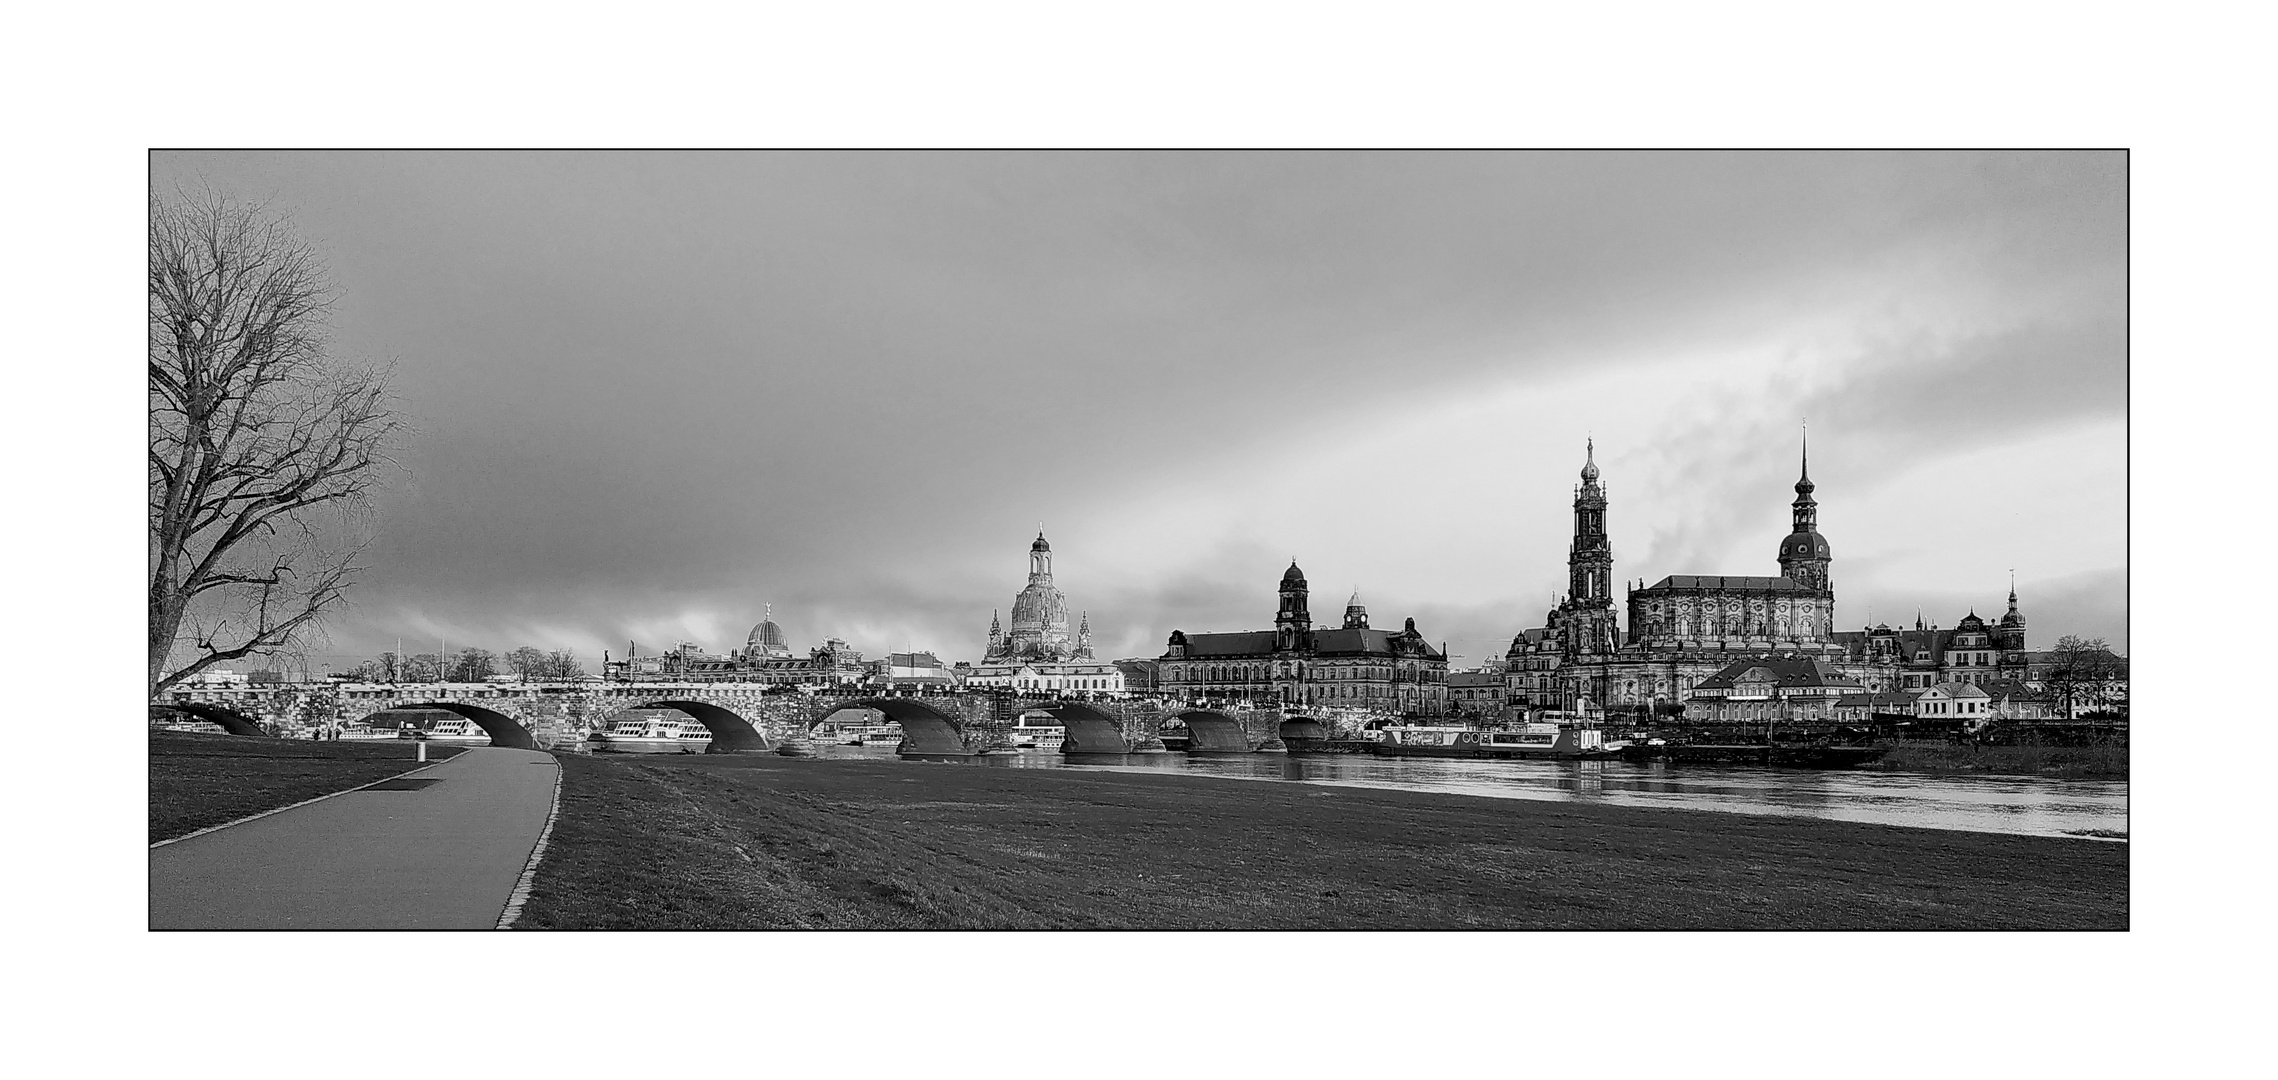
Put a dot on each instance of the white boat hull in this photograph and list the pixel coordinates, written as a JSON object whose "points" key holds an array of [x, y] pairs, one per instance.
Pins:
{"points": [[476, 739], [626, 745]]}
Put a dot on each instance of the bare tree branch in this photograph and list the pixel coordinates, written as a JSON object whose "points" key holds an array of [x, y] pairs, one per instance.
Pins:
{"points": [[265, 453]]}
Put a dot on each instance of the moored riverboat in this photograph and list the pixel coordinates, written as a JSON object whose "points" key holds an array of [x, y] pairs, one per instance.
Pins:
{"points": [[452, 731], [1421, 741], [365, 733], [1545, 740], [196, 727], [652, 735]]}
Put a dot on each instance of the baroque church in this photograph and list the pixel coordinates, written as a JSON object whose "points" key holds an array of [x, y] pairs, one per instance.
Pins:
{"points": [[1038, 653], [1687, 630]]}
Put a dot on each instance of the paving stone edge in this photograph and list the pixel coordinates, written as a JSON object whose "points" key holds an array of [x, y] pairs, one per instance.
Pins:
{"points": [[521, 894]]}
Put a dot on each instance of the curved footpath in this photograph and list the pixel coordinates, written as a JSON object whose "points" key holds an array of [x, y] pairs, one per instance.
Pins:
{"points": [[441, 855]]}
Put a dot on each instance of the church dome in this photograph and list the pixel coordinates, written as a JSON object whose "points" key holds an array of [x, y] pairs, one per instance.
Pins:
{"points": [[1293, 576], [1805, 545], [1590, 464], [1039, 545], [766, 634], [2013, 619], [1040, 607]]}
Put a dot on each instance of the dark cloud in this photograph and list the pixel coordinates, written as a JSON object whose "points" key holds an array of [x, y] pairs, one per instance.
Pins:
{"points": [[661, 389]]}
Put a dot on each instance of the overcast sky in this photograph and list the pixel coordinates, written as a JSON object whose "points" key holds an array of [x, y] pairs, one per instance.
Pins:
{"points": [[656, 391]]}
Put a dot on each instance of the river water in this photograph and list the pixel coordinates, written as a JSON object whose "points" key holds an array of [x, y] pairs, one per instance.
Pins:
{"points": [[2025, 805]]}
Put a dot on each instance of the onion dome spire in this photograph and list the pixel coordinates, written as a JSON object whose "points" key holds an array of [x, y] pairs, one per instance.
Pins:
{"points": [[1590, 461], [1804, 486]]}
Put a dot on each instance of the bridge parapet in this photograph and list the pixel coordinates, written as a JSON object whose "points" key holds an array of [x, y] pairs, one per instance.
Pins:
{"points": [[563, 713]]}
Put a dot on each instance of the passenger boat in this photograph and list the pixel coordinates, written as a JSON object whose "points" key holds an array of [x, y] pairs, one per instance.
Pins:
{"points": [[886, 735], [1040, 733], [455, 731], [1409, 740], [652, 735], [195, 727], [365, 733], [1546, 741]]}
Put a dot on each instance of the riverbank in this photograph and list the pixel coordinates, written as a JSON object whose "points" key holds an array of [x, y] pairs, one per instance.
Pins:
{"points": [[764, 841], [2063, 762], [201, 780]]}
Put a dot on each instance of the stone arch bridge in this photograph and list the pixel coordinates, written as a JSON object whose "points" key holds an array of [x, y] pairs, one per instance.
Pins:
{"points": [[752, 717]]}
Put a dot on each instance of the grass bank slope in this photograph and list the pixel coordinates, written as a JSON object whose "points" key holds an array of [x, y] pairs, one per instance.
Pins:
{"points": [[201, 780], [762, 841], [2065, 762]]}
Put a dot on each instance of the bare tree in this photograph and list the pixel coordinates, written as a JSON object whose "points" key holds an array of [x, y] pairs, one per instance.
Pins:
{"points": [[527, 662], [562, 666], [472, 665], [2082, 672], [264, 452]]}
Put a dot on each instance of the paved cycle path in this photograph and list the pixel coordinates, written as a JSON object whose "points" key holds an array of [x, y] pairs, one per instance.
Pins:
{"points": [[443, 857]]}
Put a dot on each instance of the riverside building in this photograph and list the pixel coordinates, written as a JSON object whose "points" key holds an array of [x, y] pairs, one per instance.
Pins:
{"points": [[1687, 629], [1297, 663]]}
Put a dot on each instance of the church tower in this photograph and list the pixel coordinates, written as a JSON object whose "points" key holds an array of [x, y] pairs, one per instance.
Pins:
{"points": [[2009, 636], [1084, 637], [1804, 555], [1587, 616], [1292, 625], [1356, 615], [1590, 561]]}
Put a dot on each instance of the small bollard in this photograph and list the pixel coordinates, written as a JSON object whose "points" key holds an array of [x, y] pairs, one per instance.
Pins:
{"points": [[422, 749]]}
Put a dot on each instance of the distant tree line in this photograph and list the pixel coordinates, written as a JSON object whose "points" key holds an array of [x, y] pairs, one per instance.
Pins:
{"points": [[471, 665], [2084, 674]]}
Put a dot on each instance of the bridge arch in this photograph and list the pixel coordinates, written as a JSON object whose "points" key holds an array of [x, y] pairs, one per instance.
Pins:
{"points": [[503, 730], [231, 721], [1214, 732], [1303, 728], [925, 729], [1089, 730], [731, 734]]}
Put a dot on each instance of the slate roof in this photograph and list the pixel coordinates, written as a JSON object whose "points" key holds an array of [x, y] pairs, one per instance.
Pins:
{"points": [[1786, 672], [1727, 583], [2011, 688], [1960, 690], [1371, 642], [1240, 643], [1872, 700]]}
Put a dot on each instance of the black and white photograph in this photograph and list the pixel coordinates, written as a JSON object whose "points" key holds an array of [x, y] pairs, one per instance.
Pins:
{"points": [[1246, 539], [1139, 540]]}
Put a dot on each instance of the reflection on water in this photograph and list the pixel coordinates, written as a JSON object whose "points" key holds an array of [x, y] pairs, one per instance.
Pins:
{"points": [[2033, 806]]}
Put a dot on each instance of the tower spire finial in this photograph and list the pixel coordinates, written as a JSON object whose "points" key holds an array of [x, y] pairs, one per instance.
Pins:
{"points": [[1807, 448]]}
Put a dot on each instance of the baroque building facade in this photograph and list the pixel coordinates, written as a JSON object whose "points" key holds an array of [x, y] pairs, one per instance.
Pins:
{"points": [[1297, 663], [1682, 630], [1688, 629], [1039, 654], [765, 658]]}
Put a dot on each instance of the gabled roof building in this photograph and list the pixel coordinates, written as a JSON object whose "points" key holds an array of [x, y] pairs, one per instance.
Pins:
{"points": [[1297, 663]]}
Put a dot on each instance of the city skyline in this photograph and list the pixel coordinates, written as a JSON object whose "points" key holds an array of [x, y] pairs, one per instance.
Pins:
{"points": [[656, 392]]}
